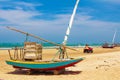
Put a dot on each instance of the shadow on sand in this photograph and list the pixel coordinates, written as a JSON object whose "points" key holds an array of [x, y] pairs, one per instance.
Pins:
{"points": [[25, 72]]}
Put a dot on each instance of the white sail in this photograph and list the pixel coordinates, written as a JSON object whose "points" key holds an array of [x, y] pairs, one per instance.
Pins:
{"points": [[70, 23]]}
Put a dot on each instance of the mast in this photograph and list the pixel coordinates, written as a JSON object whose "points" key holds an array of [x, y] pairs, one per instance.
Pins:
{"points": [[62, 50], [113, 40], [70, 23]]}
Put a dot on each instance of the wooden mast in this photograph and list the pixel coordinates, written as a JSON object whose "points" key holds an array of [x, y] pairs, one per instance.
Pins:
{"points": [[70, 23], [63, 49]]}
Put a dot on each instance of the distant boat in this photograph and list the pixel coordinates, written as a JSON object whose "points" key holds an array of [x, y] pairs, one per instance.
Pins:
{"points": [[106, 45], [117, 44]]}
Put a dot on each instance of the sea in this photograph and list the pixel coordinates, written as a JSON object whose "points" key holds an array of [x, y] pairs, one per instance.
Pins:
{"points": [[46, 45]]}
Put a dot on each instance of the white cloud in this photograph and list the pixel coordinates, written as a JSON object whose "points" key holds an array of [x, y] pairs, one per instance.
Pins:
{"points": [[87, 21], [18, 13], [16, 16], [26, 5], [57, 26], [24, 18], [19, 5]]}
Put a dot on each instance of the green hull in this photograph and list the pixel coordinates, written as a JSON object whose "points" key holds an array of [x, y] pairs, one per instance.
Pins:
{"points": [[43, 65]]}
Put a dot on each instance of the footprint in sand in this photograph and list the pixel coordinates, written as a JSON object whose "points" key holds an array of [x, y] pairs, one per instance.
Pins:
{"points": [[105, 67], [106, 61]]}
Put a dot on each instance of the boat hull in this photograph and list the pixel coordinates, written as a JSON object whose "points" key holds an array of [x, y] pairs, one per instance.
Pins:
{"points": [[107, 47], [43, 65]]}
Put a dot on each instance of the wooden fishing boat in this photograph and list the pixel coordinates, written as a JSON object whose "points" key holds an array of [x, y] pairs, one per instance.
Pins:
{"points": [[106, 45], [110, 45], [23, 59], [43, 65]]}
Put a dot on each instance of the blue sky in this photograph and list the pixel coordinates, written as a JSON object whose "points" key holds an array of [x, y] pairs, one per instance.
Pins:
{"points": [[95, 20]]}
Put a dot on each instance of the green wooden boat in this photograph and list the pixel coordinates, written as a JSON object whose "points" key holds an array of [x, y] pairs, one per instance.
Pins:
{"points": [[43, 65], [46, 65]]}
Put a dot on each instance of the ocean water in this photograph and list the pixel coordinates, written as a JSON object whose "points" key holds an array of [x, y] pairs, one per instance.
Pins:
{"points": [[45, 45]]}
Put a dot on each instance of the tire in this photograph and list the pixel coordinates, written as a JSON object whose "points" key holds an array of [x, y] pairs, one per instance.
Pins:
{"points": [[88, 51], [91, 51], [85, 51]]}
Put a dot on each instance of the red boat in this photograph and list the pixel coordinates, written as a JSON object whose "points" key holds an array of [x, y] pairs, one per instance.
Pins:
{"points": [[106, 45]]}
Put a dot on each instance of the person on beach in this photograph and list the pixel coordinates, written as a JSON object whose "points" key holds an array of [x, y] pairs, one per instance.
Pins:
{"points": [[86, 46], [88, 49]]}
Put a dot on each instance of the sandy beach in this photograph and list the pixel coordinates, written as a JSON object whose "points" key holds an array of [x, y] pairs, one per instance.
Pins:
{"points": [[102, 64]]}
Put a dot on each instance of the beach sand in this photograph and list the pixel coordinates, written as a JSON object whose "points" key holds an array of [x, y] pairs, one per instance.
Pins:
{"points": [[103, 64]]}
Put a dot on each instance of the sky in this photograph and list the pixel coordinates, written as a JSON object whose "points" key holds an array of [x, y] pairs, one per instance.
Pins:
{"points": [[95, 21]]}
